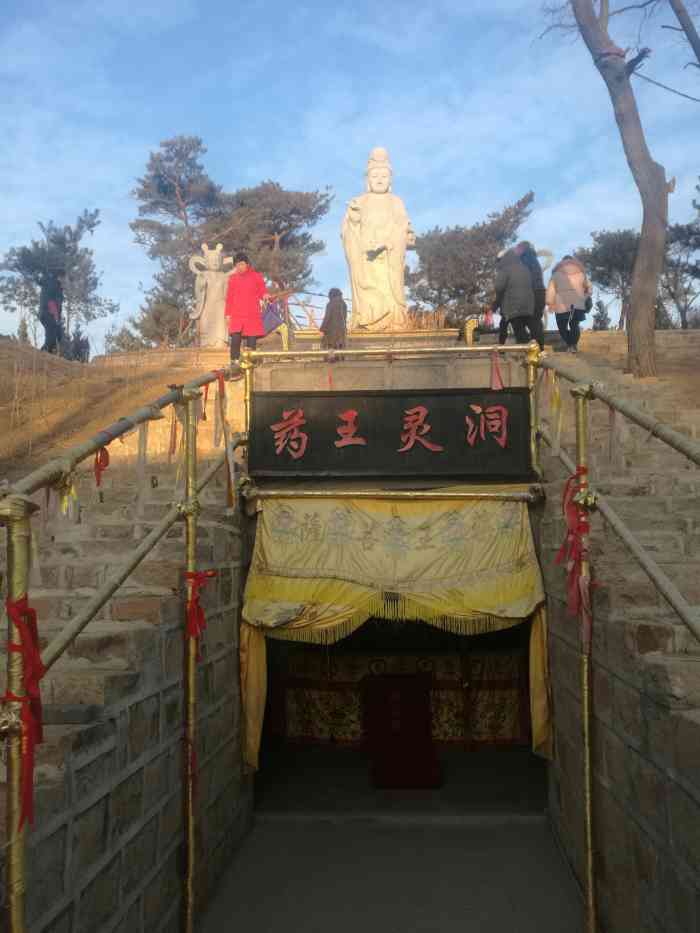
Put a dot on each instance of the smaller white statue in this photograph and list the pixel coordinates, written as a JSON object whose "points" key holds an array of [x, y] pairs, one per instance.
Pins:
{"points": [[211, 280]]}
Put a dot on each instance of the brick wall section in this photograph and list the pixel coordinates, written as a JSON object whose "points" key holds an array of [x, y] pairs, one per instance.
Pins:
{"points": [[106, 853], [646, 690]]}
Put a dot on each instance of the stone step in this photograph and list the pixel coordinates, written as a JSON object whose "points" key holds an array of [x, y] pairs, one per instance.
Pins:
{"points": [[664, 547], [66, 603], [51, 757], [648, 513], [673, 681], [134, 642], [79, 682]]}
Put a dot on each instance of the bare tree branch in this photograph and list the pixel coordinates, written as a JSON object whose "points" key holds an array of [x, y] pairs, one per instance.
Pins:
{"points": [[687, 25], [666, 87], [635, 6]]}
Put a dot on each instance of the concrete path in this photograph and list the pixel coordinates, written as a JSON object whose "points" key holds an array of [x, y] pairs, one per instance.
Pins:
{"points": [[367, 876]]}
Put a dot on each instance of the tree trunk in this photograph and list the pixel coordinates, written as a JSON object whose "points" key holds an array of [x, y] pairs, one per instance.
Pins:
{"points": [[687, 26], [650, 179]]}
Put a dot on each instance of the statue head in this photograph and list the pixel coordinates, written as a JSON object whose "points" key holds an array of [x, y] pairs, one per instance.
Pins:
{"points": [[379, 171], [213, 258]]}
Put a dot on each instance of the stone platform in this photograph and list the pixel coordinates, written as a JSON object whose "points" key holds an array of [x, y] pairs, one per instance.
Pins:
{"points": [[364, 340]]}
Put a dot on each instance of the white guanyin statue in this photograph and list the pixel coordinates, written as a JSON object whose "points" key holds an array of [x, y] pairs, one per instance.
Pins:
{"points": [[211, 281], [376, 233]]}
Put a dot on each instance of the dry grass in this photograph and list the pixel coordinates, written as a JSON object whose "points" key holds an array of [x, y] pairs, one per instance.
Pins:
{"points": [[48, 404]]}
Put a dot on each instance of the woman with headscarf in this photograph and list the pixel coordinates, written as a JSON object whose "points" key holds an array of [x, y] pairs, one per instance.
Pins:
{"points": [[334, 325], [568, 295]]}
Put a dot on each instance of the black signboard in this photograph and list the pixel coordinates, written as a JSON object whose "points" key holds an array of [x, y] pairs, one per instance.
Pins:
{"points": [[475, 434]]}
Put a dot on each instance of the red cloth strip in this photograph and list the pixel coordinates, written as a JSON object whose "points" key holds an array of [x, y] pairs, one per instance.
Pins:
{"points": [[196, 622], [101, 464], [496, 380], [24, 620], [573, 551], [204, 402]]}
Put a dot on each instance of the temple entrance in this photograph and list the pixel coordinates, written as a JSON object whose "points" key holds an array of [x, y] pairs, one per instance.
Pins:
{"points": [[400, 720]]}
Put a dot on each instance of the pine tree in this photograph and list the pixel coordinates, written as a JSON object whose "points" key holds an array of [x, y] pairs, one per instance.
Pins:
{"points": [[456, 266], [601, 318], [59, 251], [180, 207]]}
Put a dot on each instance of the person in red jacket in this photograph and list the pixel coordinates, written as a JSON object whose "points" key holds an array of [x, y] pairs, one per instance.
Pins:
{"points": [[246, 290]]}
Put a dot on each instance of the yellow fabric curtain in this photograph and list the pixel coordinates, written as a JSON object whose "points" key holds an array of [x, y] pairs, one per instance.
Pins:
{"points": [[322, 567]]}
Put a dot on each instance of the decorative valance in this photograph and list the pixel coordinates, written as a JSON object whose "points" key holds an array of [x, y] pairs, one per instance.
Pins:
{"points": [[322, 567]]}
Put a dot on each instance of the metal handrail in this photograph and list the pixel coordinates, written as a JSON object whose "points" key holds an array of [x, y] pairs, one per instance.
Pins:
{"points": [[70, 632], [56, 470], [393, 352], [668, 589], [597, 390], [16, 508]]}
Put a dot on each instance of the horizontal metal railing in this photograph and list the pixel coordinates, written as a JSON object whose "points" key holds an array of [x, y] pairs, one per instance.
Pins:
{"points": [[55, 470], [16, 508], [596, 390], [688, 613]]}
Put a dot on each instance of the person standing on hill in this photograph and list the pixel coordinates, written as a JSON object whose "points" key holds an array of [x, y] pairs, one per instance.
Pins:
{"points": [[245, 292], [334, 325], [50, 311], [569, 296], [514, 295], [529, 259]]}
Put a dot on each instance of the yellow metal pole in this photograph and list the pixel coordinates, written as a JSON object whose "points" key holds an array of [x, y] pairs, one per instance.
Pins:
{"points": [[190, 649], [533, 355], [469, 328], [247, 367], [15, 512], [581, 403]]}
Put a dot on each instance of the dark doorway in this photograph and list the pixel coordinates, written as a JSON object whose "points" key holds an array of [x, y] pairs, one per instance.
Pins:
{"points": [[318, 756]]}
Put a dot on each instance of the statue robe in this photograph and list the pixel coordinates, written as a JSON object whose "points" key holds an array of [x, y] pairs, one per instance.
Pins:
{"points": [[378, 299]]}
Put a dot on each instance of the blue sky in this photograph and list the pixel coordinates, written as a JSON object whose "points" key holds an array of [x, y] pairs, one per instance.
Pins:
{"points": [[474, 109]]}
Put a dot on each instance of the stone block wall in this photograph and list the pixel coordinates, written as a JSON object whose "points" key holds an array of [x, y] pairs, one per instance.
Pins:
{"points": [[646, 735], [106, 853]]}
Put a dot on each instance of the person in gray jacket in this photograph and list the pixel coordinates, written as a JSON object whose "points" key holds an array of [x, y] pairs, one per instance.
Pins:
{"points": [[515, 298]]}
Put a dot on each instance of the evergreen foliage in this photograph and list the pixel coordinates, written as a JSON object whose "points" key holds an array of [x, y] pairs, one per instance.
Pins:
{"points": [[26, 268], [601, 318], [180, 207], [456, 265]]}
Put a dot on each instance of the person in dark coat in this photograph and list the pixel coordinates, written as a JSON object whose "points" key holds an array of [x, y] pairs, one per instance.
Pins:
{"points": [[334, 325], [50, 311], [528, 257], [514, 295]]}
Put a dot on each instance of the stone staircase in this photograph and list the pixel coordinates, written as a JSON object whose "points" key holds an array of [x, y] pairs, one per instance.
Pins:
{"points": [[113, 702], [646, 663]]}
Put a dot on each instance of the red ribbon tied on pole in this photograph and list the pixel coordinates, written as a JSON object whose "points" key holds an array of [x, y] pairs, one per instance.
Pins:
{"points": [[573, 551], [196, 622], [496, 378], [101, 464], [204, 402], [24, 620]]}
